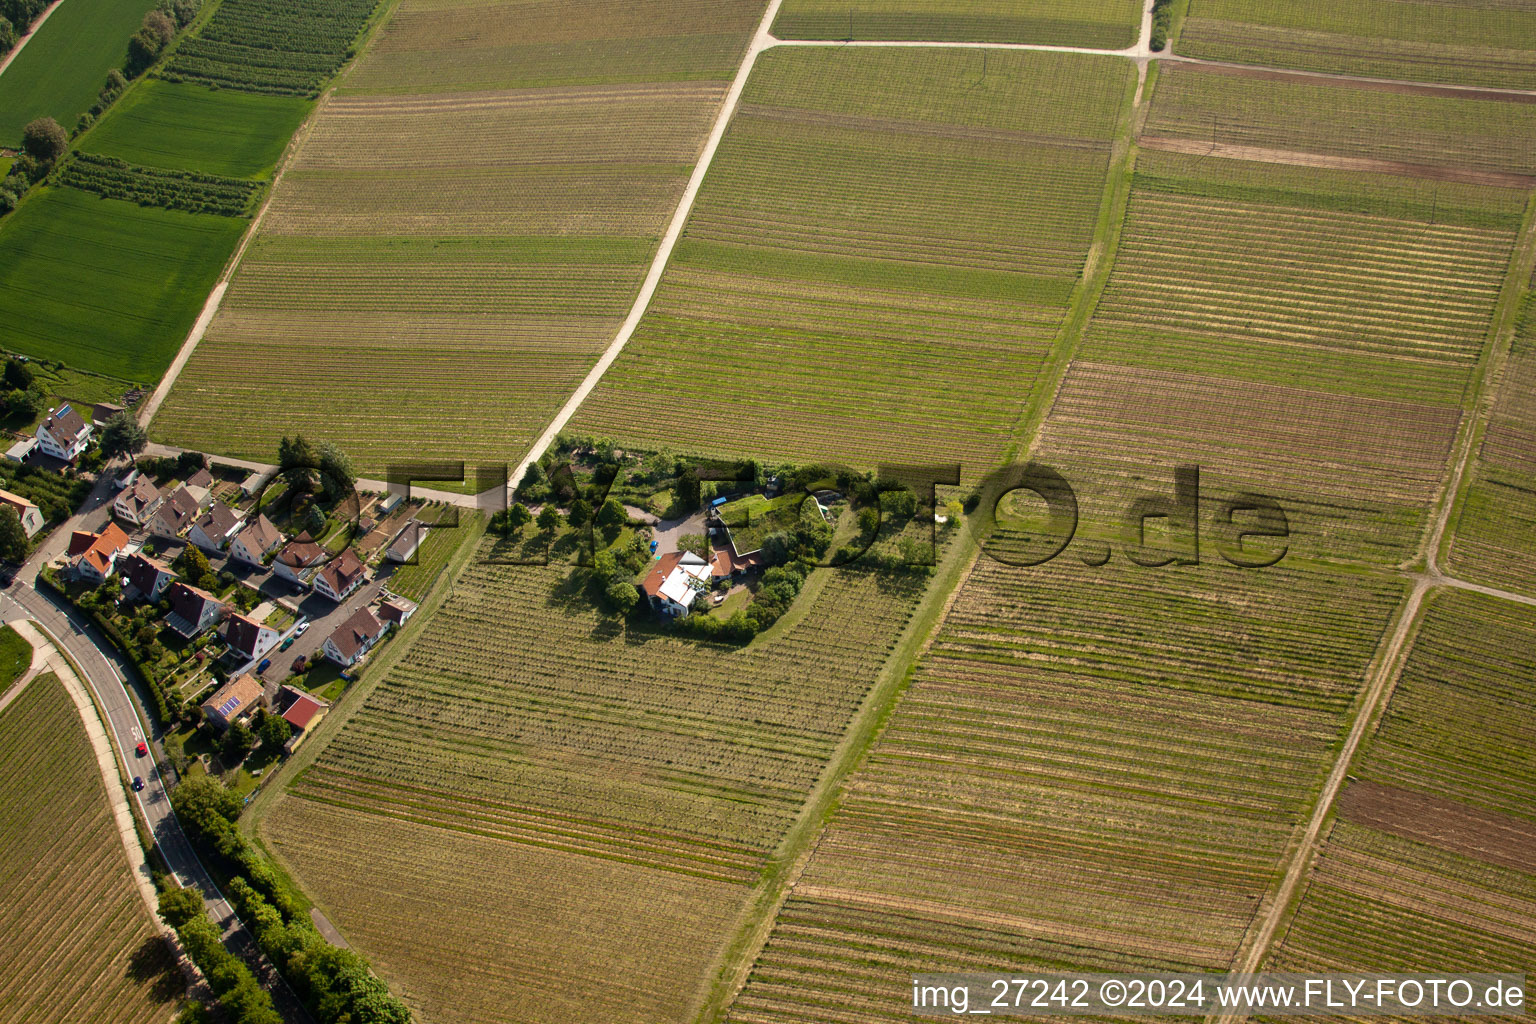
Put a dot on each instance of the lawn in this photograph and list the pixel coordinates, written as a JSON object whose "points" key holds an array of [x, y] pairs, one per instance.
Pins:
{"points": [[65, 65], [107, 285], [532, 742], [1102, 24], [886, 247], [88, 949], [194, 128], [15, 656]]}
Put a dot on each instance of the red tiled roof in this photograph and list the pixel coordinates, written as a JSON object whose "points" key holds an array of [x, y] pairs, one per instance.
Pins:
{"points": [[658, 575], [302, 711]]}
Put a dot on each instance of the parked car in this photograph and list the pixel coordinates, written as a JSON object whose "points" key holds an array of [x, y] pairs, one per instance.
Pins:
{"points": [[266, 663], [303, 628], [7, 576], [138, 783], [298, 663], [142, 749], [286, 644]]}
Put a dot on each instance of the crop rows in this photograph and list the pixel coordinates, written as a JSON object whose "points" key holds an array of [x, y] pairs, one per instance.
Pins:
{"points": [[1430, 865], [856, 247], [528, 725], [1495, 526], [149, 186], [451, 262], [1352, 119], [79, 942], [1092, 769], [271, 46], [1469, 43], [1103, 24]]}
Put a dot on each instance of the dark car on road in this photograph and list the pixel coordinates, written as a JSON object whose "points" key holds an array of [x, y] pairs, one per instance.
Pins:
{"points": [[138, 783]]}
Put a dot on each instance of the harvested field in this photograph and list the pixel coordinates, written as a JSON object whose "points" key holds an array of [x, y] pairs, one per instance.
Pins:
{"points": [[1092, 769], [1468, 42], [1345, 119], [1494, 538], [535, 737], [882, 254], [1102, 24], [1429, 865], [79, 944], [451, 262]]}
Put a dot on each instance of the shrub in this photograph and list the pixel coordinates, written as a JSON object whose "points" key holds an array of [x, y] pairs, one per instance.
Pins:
{"points": [[44, 140]]}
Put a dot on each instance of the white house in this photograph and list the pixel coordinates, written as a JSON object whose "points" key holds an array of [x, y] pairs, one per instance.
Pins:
{"points": [[340, 576], [192, 609], [63, 433], [253, 542], [679, 578], [353, 638], [175, 514], [249, 638], [93, 555], [30, 515], [403, 549], [216, 528], [145, 577], [297, 562], [138, 501]]}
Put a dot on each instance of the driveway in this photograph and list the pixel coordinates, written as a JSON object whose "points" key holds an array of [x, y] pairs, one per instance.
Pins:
{"points": [[324, 616], [666, 531]]}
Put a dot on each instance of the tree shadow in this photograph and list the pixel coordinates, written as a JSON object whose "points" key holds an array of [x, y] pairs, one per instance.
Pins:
{"points": [[151, 963]]}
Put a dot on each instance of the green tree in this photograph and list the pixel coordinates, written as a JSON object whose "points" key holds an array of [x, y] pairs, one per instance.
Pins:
{"points": [[274, 731], [18, 375], [612, 515], [205, 806], [688, 490], [518, 516], [297, 462], [193, 566], [178, 906], [7, 34], [44, 139], [580, 514], [122, 435], [237, 742], [13, 538], [622, 596], [549, 518], [336, 475], [159, 27]]}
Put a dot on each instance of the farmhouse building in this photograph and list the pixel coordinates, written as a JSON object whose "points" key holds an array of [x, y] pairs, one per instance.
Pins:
{"points": [[233, 701], [342, 575], [93, 555], [30, 515], [192, 610], [63, 434], [255, 541], [726, 564], [216, 528], [397, 611], [137, 502], [22, 450], [302, 712], [353, 638], [406, 542], [144, 577], [678, 578], [248, 638], [297, 562], [175, 514]]}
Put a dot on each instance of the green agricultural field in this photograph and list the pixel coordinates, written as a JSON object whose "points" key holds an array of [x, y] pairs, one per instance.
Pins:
{"points": [[80, 944], [64, 66], [1431, 861], [271, 46], [106, 285], [1103, 24], [1093, 769], [550, 783], [15, 656], [450, 264], [1493, 538], [1352, 120], [884, 250], [1469, 43], [194, 128], [1302, 332]]}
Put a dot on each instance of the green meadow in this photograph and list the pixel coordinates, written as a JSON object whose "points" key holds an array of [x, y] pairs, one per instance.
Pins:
{"points": [[191, 127], [106, 285]]}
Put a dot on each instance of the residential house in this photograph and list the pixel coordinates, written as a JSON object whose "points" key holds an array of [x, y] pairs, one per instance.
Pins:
{"points": [[192, 609], [233, 701], [340, 576], [403, 549], [138, 501], [93, 555], [726, 564], [30, 515], [678, 578], [175, 515], [353, 638], [216, 528], [200, 485], [302, 711], [145, 577], [63, 433], [299, 560], [396, 611], [256, 481], [248, 638], [253, 543]]}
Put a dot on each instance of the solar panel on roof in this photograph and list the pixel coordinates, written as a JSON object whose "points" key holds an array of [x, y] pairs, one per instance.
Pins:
{"points": [[229, 705]]}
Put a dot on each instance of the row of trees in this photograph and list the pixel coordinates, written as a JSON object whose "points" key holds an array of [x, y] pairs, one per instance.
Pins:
{"points": [[190, 191], [238, 996]]}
